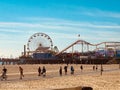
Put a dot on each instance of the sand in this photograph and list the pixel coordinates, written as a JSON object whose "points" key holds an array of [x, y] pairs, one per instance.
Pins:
{"points": [[110, 80]]}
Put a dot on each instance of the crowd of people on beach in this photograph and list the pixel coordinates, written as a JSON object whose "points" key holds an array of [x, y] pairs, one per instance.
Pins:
{"points": [[42, 71]]}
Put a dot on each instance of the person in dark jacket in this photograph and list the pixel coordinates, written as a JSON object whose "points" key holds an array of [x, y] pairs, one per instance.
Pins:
{"points": [[65, 69], [72, 70], [39, 71], [44, 71], [81, 67], [4, 76], [60, 71], [21, 72]]}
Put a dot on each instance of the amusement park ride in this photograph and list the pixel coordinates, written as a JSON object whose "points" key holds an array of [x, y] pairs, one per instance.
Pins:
{"points": [[40, 49], [39, 45]]}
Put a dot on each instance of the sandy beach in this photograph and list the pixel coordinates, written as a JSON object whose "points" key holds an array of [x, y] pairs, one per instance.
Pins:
{"points": [[110, 80]]}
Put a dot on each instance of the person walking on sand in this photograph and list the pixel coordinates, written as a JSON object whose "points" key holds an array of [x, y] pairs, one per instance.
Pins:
{"points": [[65, 69], [39, 71], [21, 72], [4, 76], [44, 71], [72, 70], [81, 67], [96, 67], [93, 68], [60, 71]]}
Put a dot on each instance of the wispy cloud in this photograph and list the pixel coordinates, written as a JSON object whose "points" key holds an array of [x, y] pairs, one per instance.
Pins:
{"points": [[61, 27], [100, 13], [7, 30], [56, 24]]}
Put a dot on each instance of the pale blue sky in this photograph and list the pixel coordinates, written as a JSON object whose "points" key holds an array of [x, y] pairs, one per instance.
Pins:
{"points": [[95, 20]]}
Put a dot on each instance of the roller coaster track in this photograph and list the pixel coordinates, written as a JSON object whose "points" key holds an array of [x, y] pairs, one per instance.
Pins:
{"points": [[87, 43]]}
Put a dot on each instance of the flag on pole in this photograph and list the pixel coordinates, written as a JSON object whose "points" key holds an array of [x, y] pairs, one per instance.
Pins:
{"points": [[78, 35]]}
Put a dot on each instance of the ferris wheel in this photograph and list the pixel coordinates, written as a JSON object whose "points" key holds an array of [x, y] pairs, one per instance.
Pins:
{"points": [[39, 42]]}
